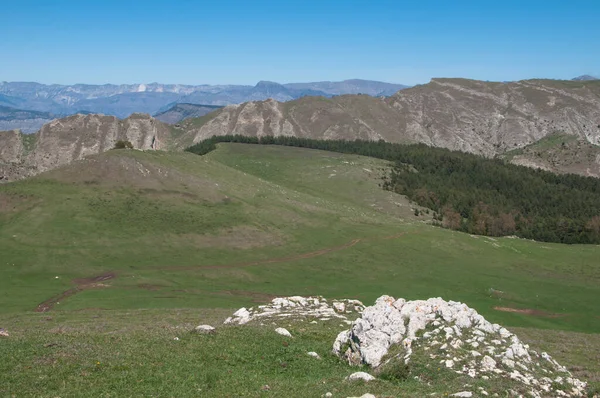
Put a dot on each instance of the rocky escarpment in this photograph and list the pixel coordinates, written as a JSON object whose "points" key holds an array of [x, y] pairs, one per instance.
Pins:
{"points": [[479, 117], [451, 335], [64, 141]]}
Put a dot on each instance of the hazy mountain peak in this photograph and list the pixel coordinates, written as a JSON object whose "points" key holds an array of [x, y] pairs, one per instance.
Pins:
{"points": [[268, 84], [584, 78]]}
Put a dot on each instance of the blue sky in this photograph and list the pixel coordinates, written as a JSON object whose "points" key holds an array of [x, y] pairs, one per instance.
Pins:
{"points": [[242, 42]]}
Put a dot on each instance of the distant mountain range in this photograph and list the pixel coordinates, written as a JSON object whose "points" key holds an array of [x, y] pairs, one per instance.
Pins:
{"points": [[24, 120], [123, 100], [548, 124]]}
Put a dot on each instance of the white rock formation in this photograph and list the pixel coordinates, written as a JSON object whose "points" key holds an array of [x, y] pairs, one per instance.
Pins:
{"points": [[447, 328], [297, 307]]}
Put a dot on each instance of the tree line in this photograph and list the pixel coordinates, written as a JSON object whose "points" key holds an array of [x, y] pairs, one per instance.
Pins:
{"points": [[471, 193]]}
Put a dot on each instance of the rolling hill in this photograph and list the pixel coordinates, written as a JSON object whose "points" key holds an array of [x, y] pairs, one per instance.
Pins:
{"points": [[126, 250]]}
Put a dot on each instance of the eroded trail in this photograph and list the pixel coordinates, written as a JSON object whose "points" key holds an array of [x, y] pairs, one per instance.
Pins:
{"points": [[82, 284], [96, 282]]}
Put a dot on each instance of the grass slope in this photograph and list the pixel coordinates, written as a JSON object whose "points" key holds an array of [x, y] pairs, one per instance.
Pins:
{"points": [[230, 229]]}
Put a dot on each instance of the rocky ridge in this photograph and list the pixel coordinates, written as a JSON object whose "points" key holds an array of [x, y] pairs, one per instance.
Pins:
{"points": [[484, 118], [64, 141]]}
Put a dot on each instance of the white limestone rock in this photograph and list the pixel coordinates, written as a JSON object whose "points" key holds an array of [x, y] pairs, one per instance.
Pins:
{"points": [[298, 307], [205, 329], [283, 332], [360, 376], [419, 325]]}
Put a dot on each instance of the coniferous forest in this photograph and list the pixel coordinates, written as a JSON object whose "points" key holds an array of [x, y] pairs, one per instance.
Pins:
{"points": [[470, 193]]}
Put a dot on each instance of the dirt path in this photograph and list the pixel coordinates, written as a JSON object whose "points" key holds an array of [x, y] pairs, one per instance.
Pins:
{"points": [[82, 284], [95, 282], [528, 311]]}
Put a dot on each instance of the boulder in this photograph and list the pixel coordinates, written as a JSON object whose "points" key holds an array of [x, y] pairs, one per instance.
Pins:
{"points": [[283, 332], [205, 329], [360, 376]]}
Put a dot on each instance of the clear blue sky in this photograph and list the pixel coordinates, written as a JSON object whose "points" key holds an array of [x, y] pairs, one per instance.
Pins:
{"points": [[242, 42]]}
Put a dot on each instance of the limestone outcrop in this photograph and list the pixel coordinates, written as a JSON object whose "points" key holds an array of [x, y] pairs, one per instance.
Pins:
{"points": [[452, 335]]}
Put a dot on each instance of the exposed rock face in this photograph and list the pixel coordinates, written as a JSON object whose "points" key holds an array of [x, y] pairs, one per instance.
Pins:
{"points": [[11, 146], [473, 116], [63, 141], [455, 336]]}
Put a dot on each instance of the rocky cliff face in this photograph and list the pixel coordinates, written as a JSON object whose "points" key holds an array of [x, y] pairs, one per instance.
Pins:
{"points": [[484, 118], [491, 118], [473, 116], [63, 141]]}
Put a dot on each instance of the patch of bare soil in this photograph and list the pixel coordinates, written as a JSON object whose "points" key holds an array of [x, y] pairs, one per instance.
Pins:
{"points": [[528, 311], [10, 203], [82, 284]]}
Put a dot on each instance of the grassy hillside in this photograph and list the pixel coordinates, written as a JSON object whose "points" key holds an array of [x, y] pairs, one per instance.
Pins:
{"points": [[108, 244], [559, 153]]}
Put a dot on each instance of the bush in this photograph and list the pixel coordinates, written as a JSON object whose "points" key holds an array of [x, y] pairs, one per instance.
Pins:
{"points": [[121, 144]]}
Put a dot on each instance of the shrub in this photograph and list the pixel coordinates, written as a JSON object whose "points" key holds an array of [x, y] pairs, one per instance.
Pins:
{"points": [[121, 144]]}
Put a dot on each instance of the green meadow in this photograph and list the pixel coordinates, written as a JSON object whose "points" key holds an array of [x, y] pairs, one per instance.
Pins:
{"points": [[179, 239]]}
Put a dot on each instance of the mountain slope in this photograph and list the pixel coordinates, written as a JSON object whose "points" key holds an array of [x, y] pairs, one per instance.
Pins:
{"points": [[584, 78], [181, 111], [472, 116], [559, 153]]}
